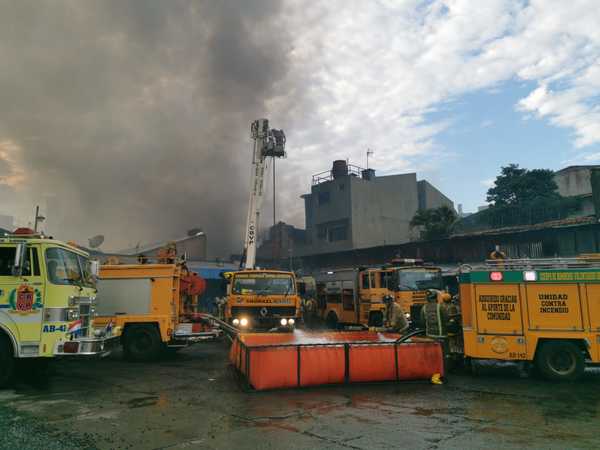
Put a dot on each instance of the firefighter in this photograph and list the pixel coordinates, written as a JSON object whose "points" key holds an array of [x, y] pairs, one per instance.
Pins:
{"points": [[435, 317], [497, 253], [453, 310], [395, 319]]}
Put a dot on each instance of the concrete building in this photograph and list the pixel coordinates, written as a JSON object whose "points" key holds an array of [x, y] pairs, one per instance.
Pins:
{"points": [[283, 243], [576, 181], [351, 208]]}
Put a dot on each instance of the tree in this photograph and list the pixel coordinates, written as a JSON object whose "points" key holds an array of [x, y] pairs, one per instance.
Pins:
{"points": [[436, 222], [519, 186]]}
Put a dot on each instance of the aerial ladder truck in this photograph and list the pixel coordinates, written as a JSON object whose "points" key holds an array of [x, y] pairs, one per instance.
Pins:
{"points": [[259, 298]]}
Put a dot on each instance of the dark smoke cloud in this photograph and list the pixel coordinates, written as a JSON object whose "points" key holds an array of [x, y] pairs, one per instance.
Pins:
{"points": [[131, 118]]}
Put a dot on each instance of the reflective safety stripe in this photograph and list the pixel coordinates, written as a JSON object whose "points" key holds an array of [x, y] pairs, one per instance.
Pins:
{"points": [[438, 310]]}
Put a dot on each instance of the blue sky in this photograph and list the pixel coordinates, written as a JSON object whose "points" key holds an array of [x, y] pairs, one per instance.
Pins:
{"points": [[486, 132], [450, 89]]}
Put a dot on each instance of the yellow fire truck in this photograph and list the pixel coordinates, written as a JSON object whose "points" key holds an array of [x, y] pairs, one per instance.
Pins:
{"points": [[541, 311], [262, 299], [355, 296], [47, 301], [156, 307]]}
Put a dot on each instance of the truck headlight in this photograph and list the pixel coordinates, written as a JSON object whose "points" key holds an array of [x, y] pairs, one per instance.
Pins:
{"points": [[236, 322], [244, 322], [72, 314], [291, 322], [283, 322]]}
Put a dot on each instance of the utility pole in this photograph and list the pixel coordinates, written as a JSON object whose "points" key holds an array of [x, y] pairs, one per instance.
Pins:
{"points": [[274, 192], [369, 153], [274, 237], [38, 219]]}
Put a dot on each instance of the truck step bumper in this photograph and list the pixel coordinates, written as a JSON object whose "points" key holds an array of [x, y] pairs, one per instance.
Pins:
{"points": [[88, 346]]}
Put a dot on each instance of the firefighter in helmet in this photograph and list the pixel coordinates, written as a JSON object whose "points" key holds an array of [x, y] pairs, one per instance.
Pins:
{"points": [[395, 319]]}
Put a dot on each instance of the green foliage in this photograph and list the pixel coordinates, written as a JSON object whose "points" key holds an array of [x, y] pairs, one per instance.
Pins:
{"points": [[436, 222], [521, 197], [518, 186]]}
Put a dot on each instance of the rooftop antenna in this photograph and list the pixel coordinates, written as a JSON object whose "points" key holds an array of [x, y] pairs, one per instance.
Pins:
{"points": [[369, 153]]}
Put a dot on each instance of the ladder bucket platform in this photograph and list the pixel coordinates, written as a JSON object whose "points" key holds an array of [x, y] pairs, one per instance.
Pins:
{"points": [[302, 359]]}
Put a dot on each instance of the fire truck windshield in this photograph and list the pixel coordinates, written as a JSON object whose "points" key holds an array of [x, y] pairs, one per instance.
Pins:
{"points": [[419, 280], [259, 284], [65, 267]]}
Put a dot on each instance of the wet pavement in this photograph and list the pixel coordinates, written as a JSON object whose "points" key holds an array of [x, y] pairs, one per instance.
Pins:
{"points": [[194, 400]]}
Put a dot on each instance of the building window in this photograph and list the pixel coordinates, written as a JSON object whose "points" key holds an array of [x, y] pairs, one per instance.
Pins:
{"points": [[333, 231], [323, 198], [322, 232], [339, 233]]}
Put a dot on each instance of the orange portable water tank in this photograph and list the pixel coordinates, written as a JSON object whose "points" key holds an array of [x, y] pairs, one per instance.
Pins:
{"points": [[275, 361]]}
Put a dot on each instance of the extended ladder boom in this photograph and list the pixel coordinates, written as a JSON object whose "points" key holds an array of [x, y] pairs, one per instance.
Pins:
{"points": [[267, 143]]}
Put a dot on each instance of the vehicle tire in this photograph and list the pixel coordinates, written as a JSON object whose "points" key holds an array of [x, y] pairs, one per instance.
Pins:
{"points": [[560, 361], [332, 321], [7, 362], [142, 343]]}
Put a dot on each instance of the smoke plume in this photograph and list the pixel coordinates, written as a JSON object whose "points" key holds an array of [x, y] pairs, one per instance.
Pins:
{"points": [[131, 118]]}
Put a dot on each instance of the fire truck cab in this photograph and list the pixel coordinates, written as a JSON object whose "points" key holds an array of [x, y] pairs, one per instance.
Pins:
{"points": [[47, 302], [355, 296], [262, 299]]}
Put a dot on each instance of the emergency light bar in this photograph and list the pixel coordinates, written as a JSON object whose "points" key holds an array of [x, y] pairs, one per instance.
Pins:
{"points": [[496, 276], [530, 275]]}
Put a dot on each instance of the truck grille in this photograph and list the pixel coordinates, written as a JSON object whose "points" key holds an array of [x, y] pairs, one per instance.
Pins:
{"points": [[85, 317], [272, 311]]}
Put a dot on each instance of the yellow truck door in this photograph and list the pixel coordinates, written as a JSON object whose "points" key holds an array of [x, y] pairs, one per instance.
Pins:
{"points": [[21, 297]]}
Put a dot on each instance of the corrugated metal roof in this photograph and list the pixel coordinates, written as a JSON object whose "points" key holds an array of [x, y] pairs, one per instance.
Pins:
{"points": [[562, 223]]}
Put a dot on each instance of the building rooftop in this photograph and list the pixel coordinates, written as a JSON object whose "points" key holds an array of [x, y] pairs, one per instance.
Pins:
{"points": [[578, 167], [158, 245], [560, 223]]}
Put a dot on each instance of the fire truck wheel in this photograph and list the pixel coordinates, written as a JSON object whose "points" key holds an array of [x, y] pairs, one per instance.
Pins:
{"points": [[142, 343], [7, 362], [560, 361]]}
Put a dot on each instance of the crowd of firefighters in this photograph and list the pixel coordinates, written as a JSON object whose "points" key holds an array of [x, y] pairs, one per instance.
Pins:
{"points": [[439, 319]]}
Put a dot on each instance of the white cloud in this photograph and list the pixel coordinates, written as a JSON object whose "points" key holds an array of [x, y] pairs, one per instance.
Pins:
{"points": [[376, 69], [488, 182]]}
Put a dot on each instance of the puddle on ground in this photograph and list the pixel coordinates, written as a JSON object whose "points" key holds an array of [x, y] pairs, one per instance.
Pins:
{"points": [[142, 402]]}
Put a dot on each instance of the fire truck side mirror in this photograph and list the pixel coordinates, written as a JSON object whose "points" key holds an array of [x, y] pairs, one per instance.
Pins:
{"points": [[19, 262], [95, 268]]}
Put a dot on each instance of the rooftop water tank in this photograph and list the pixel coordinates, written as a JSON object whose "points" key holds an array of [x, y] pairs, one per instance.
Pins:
{"points": [[339, 169]]}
